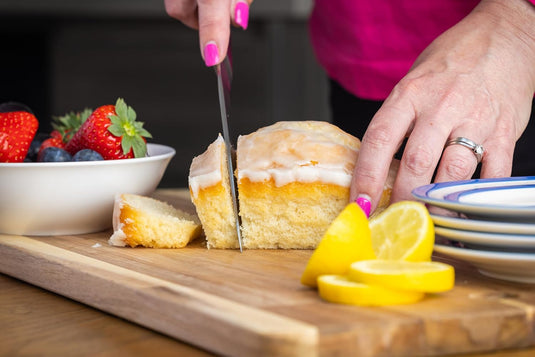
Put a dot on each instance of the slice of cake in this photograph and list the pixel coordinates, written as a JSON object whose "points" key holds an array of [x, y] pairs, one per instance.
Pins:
{"points": [[209, 186], [147, 222]]}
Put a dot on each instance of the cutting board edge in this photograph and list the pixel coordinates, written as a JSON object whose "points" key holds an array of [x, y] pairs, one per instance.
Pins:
{"points": [[260, 333]]}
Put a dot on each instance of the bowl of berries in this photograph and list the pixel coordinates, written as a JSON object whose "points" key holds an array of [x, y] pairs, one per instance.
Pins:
{"points": [[65, 182]]}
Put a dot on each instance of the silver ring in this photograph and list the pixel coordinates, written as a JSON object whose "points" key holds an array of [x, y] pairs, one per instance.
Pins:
{"points": [[477, 149]]}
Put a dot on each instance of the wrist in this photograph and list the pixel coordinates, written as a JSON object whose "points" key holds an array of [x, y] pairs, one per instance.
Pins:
{"points": [[514, 20]]}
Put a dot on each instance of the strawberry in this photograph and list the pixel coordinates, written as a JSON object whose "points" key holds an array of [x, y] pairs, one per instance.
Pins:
{"points": [[53, 141], [56, 134], [112, 131], [65, 126], [17, 130]]}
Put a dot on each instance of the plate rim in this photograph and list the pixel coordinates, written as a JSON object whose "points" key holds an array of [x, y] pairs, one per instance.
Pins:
{"points": [[485, 254], [485, 262], [469, 224], [491, 239], [456, 196], [422, 193]]}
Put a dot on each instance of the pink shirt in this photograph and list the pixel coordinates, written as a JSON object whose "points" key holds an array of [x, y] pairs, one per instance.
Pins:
{"points": [[368, 46]]}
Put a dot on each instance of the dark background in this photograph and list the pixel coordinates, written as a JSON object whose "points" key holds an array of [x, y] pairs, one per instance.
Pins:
{"points": [[61, 55]]}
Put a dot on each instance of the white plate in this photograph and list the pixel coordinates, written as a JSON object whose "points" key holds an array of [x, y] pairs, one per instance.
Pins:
{"points": [[506, 241], [517, 267], [514, 196], [483, 226], [434, 194]]}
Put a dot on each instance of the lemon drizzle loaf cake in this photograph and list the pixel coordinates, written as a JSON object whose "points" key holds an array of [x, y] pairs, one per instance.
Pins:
{"points": [[147, 222], [293, 180], [209, 186]]}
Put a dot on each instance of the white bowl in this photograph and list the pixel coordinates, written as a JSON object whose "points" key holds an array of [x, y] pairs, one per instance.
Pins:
{"points": [[55, 198]]}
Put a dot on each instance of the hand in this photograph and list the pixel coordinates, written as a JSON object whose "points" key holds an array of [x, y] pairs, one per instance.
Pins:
{"points": [[477, 81], [212, 19]]}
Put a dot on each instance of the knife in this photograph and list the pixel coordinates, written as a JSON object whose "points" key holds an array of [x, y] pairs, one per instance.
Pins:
{"points": [[224, 79]]}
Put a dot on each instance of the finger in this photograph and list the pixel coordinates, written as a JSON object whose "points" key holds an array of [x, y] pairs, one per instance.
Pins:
{"points": [[499, 146], [214, 30], [457, 163], [379, 145], [183, 10], [420, 158], [498, 157], [240, 12]]}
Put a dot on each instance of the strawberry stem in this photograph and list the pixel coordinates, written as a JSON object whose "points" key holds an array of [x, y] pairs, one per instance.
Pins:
{"points": [[131, 132]]}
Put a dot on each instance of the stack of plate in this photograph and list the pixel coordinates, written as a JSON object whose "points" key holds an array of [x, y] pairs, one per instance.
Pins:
{"points": [[487, 222]]}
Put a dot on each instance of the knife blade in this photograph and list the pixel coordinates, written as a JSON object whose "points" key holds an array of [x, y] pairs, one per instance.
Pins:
{"points": [[224, 79]]}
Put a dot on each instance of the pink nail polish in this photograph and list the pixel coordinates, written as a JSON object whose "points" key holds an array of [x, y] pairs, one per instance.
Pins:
{"points": [[211, 54], [241, 14], [364, 202]]}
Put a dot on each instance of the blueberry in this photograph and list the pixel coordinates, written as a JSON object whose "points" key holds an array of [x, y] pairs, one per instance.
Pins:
{"points": [[87, 155], [35, 145], [54, 154]]}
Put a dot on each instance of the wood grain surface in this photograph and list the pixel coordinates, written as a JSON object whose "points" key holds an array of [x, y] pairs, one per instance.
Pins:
{"points": [[252, 303], [36, 322]]}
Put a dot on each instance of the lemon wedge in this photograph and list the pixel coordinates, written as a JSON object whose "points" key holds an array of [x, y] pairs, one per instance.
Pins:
{"points": [[404, 231], [339, 289], [427, 277], [348, 239]]}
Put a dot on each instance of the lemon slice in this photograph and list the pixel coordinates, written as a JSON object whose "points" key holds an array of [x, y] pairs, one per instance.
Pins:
{"points": [[339, 289], [404, 231], [348, 239], [429, 277]]}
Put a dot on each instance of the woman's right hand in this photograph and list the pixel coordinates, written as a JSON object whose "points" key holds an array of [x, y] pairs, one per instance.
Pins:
{"points": [[212, 18]]}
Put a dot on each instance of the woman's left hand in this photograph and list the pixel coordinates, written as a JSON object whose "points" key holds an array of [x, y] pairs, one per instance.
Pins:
{"points": [[475, 81]]}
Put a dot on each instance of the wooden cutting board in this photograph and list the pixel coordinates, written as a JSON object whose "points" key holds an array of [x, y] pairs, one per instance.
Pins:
{"points": [[252, 303]]}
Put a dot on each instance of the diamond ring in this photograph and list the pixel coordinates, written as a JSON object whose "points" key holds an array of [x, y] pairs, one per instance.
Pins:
{"points": [[477, 149]]}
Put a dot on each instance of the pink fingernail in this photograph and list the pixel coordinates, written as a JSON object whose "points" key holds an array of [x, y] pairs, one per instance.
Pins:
{"points": [[364, 202], [241, 14], [211, 54]]}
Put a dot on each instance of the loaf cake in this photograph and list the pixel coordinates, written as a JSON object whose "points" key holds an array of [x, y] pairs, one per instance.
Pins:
{"points": [[147, 222], [293, 179], [210, 191]]}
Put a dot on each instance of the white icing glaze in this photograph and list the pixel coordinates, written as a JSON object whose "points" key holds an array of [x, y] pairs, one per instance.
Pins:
{"points": [[304, 151], [116, 215], [118, 238], [205, 169]]}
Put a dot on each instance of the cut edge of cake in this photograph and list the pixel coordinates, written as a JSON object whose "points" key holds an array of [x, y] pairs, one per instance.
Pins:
{"points": [[148, 222], [210, 192]]}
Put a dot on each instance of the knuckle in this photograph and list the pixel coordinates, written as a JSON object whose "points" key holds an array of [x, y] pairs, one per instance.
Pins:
{"points": [[178, 10], [368, 180], [366, 176], [419, 161], [459, 167], [408, 86], [502, 171], [213, 22], [377, 136]]}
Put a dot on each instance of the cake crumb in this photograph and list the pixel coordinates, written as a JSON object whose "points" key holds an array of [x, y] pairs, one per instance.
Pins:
{"points": [[96, 245]]}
